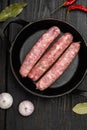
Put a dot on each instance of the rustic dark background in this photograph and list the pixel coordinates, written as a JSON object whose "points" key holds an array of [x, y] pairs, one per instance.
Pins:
{"points": [[49, 114]]}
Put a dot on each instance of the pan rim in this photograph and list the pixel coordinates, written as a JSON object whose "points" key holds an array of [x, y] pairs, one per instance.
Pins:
{"points": [[54, 19]]}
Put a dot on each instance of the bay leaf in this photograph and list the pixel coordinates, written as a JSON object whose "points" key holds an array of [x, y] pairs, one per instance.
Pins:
{"points": [[11, 11], [80, 108]]}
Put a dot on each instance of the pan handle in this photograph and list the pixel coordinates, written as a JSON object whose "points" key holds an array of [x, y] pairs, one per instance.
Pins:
{"points": [[80, 92], [13, 20], [5, 25]]}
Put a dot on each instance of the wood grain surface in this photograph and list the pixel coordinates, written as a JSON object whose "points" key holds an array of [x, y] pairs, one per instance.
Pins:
{"points": [[49, 114]]}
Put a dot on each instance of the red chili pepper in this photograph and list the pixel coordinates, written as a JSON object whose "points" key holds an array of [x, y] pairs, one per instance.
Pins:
{"points": [[77, 7], [66, 3]]}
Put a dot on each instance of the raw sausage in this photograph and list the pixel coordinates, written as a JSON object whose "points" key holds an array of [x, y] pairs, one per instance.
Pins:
{"points": [[51, 56], [59, 67], [38, 49]]}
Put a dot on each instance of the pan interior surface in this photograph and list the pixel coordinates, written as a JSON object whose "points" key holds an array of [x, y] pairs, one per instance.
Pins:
{"points": [[24, 42]]}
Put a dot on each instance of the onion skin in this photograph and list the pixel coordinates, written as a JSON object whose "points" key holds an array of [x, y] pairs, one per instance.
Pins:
{"points": [[26, 108], [6, 100]]}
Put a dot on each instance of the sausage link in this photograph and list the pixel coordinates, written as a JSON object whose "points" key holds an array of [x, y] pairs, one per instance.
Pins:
{"points": [[59, 67], [51, 56], [38, 49]]}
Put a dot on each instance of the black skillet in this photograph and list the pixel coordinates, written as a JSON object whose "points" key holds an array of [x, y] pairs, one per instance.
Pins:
{"points": [[23, 42]]}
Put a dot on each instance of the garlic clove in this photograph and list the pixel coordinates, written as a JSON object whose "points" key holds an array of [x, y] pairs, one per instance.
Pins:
{"points": [[26, 108], [6, 100]]}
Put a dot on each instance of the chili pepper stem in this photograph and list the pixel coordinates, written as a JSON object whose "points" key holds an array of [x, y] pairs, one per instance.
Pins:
{"points": [[67, 15], [57, 8]]}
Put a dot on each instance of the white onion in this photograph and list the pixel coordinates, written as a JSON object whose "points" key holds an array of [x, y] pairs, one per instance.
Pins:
{"points": [[6, 100], [26, 108]]}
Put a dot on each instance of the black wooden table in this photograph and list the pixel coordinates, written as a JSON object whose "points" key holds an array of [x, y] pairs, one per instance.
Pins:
{"points": [[49, 114]]}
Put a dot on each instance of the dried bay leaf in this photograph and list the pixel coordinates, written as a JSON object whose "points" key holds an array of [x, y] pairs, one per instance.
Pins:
{"points": [[80, 108], [11, 11]]}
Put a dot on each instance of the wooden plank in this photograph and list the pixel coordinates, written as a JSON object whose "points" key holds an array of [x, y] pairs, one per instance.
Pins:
{"points": [[3, 70], [2, 79]]}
